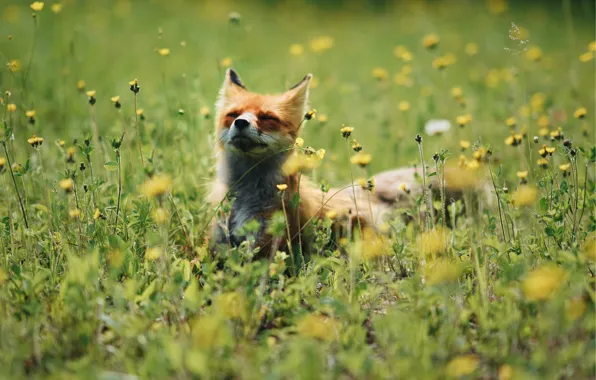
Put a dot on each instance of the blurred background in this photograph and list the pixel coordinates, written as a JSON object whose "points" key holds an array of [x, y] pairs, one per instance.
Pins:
{"points": [[367, 57]]}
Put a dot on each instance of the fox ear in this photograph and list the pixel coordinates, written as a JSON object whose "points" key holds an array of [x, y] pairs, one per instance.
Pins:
{"points": [[232, 84], [298, 95]]}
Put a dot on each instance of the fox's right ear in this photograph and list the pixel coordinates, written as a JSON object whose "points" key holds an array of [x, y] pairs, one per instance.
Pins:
{"points": [[232, 85]]}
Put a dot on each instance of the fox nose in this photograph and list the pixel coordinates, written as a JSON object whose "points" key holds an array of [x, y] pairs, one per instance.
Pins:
{"points": [[241, 123]]}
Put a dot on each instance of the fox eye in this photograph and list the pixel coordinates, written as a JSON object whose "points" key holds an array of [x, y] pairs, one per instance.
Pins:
{"points": [[233, 115], [268, 117]]}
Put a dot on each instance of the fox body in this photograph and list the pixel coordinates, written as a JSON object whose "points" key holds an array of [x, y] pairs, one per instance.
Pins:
{"points": [[255, 135]]}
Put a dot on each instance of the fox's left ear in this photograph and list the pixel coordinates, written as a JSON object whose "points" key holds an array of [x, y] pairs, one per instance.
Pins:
{"points": [[232, 84], [298, 95]]}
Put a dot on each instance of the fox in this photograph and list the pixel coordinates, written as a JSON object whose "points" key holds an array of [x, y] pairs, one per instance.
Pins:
{"points": [[255, 134]]}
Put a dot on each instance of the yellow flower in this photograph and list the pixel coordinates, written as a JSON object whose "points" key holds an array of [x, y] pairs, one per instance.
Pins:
{"points": [[91, 93], [511, 122], [497, 6], [37, 6], [30, 114], [75, 213], [430, 41], [318, 327], [321, 154], [557, 134], [564, 167], [67, 185], [464, 144], [403, 187], [11, 107], [439, 63], [580, 113], [56, 7], [356, 147], [115, 99], [309, 115], [543, 282], [300, 162], [471, 49], [522, 174], [2, 163], [153, 253], [543, 122], [205, 111], [546, 151], [160, 215], [402, 79], [97, 214], [361, 159], [140, 112], [296, 49], [441, 271], [463, 120], [404, 106], [346, 131], [406, 57], [226, 62], [457, 92], [543, 163], [380, 73], [575, 308], [14, 65], [534, 53], [156, 186], [323, 118], [473, 165], [505, 372], [524, 196], [164, 52], [299, 142], [586, 57], [35, 141], [462, 365], [281, 186], [431, 243], [81, 85], [321, 44]]}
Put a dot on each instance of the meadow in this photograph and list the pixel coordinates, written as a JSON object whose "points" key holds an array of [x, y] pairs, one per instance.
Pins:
{"points": [[106, 143]]}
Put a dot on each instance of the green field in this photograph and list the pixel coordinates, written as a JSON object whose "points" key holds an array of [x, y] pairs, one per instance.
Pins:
{"points": [[100, 279]]}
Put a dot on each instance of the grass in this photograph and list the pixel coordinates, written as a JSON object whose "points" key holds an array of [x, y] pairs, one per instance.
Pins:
{"points": [[104, 270]]}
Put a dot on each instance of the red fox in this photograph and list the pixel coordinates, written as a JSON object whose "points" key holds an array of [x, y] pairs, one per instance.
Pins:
{"points": [[255, 136]]}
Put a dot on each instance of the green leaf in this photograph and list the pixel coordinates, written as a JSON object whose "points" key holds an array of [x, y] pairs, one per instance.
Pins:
{"points": [[111, 165]]}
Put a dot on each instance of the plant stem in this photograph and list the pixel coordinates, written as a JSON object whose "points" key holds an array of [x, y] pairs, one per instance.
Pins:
{"points": [[16, 189]]}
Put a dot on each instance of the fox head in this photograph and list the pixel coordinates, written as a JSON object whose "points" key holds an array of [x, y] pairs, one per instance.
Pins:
{"points": [[253, 124]]}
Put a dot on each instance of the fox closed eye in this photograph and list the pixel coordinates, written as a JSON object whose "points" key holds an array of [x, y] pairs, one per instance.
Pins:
{"points": [[269, 117]]}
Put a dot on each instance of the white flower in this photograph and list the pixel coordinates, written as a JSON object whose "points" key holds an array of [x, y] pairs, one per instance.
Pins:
{"points": [[436, 126]]}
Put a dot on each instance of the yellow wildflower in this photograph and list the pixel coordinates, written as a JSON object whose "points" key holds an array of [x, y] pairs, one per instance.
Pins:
{"points": [[586, 57], [580, 113], [296, 49], [564, 167], [404, 106], [75, 213], [524, 196], [205, 111], [543, 282], [226, 62], [462, 365], [464, 144], [534, 53], [323, 118], [14, 65], [439, 63], [346, 131], [56, 8], [67, 185], [522, 174], [153, 253], [35, 141], [156, 186], [463, 120], [11, 107], [91, 93], [543, 163], [299, 142], [97, 214], [380, 73], [430, 41], [457, 92], [321, 44], [37, 6], [471, 49], [361, 159], [160, 215], [511, 122], [164, 52], [320, 154], [281, 186], [81, 85]]}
